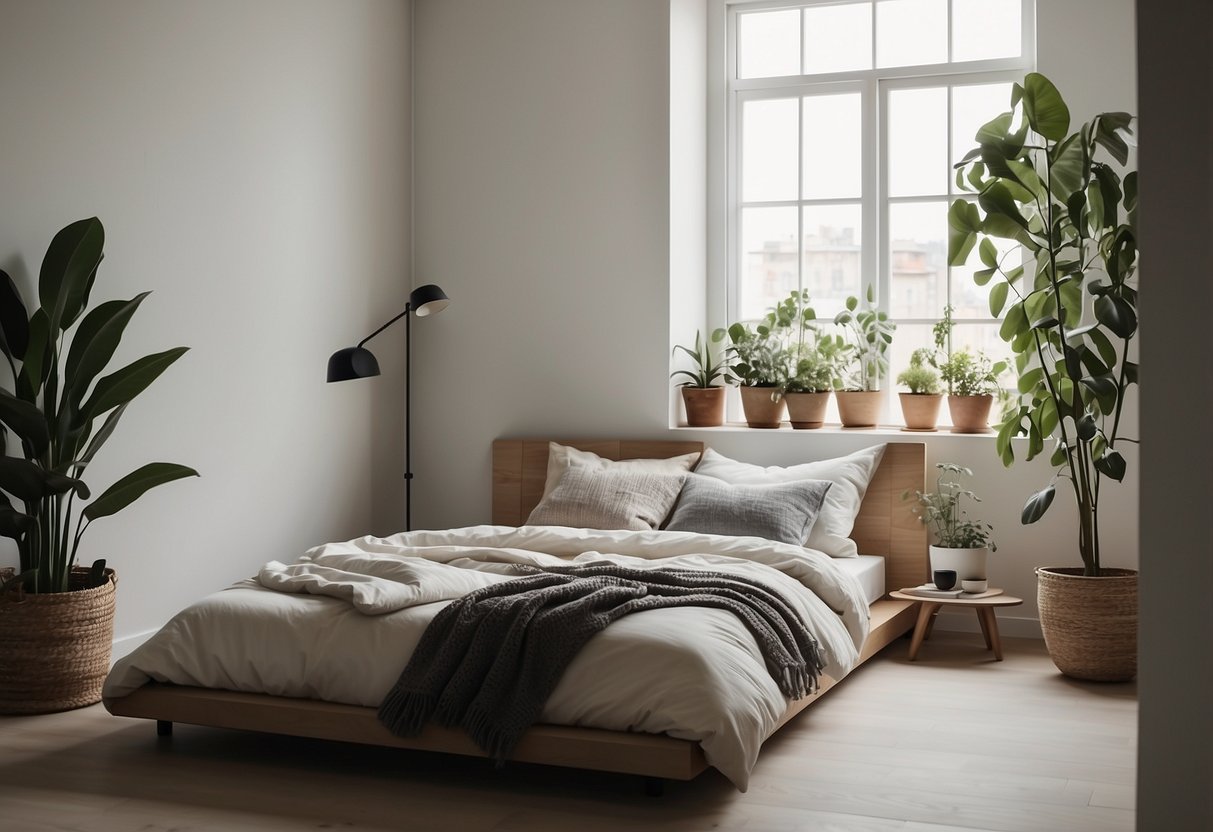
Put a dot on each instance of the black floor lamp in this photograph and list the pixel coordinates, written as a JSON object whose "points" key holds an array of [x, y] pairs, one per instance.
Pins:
{"points": [[359, 362]]}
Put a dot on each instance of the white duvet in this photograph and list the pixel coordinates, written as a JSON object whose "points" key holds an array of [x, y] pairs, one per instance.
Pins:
{"points": [[340, 624]]}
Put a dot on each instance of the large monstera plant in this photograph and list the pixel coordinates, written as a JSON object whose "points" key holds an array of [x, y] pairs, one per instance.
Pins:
{"points": [[60, 409], [1071, 315]]}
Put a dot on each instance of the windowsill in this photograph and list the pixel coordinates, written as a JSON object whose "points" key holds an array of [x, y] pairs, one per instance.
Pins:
{"points": [[836, 429]]}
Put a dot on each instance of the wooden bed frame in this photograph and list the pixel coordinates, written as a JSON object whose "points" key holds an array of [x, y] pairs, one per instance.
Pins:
{"points": [[885, 526]]}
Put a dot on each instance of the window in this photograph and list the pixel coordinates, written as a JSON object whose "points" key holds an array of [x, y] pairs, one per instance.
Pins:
{"points": [[841, 122]]}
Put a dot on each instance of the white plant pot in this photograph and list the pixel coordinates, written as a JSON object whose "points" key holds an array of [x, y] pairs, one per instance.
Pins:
{"points": [[969, 564]]}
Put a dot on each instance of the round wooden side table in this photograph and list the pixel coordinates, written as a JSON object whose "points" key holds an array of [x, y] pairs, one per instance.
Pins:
{"points": [[985, 606]]}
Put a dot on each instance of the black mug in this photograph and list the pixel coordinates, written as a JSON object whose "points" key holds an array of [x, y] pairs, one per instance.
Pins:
{"points": [[945, 578]]}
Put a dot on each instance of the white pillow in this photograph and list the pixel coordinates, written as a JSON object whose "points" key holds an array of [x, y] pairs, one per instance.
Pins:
{"points": [[562, 457], [850, 475]]}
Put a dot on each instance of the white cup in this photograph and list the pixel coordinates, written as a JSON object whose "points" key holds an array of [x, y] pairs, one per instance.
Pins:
{"points": [[973, 585]]}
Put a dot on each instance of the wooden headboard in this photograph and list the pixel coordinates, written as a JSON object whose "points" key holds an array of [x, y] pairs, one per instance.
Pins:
{"points": [[885, 525]]}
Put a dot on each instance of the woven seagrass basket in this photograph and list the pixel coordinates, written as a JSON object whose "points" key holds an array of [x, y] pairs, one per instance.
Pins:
{"points": [[1090, 624], [55, 646]]}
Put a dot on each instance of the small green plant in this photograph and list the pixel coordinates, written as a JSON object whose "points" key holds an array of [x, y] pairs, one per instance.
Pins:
{"points": [[971, 375], [763, 354], [920, 377], [707, 367], [964, 373], [869, 333], [941, 511]]}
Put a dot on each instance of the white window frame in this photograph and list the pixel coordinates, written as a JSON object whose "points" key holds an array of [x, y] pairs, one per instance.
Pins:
{"points": [[726, 92]]}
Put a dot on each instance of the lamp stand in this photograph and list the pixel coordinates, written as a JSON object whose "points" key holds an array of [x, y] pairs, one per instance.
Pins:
{"points": [[408, 422]]}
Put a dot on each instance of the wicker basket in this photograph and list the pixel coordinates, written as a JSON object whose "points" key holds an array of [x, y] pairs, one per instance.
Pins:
{"points": [[1090, 624], [55, 646]]}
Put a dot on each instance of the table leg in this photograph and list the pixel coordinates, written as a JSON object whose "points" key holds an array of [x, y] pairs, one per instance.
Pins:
{"points": [[931, 624], [985, 626], [991, 627], [926, 609]]}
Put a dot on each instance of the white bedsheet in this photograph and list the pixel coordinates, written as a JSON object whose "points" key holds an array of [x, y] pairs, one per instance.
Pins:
{"points": [[868, 570], [693, 673]]}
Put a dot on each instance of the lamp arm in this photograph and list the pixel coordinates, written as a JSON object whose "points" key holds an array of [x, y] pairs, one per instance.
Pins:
{"points": [[408, 307]]}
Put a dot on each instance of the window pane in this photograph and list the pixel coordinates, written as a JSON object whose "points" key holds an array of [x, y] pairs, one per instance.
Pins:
{"points": [[768, 44], [983, 29], [837, 38], [918, 142], [918, 242], [970, 300], [911, 32], [768, 146], [768, 259], [833, 139], [832, 240], [973, 106]]}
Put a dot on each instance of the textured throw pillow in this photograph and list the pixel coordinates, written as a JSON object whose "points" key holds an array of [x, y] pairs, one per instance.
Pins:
{"points": [[562, 457], [850, 475], [782, 511], [609, 499]]}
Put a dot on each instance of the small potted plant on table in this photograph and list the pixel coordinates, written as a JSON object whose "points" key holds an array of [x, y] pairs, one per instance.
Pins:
{"points": [[961, 543]]}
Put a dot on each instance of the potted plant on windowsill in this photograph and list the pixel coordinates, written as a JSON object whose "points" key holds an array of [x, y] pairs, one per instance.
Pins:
{"points": [[971, 380], [56, 619], [869, 334], [1050, 191], [961, 544], [759, 357], [702, 399], [972, 384], [814, 361], [920, 406]]}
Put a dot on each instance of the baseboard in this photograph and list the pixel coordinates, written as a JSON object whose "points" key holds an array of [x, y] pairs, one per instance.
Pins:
{"points": [[1008, 626], [127, 644]]}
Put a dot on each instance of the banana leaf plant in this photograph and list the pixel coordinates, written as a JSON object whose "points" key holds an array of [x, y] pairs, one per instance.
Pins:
{"points": [[60, 409], [1071, 317]]}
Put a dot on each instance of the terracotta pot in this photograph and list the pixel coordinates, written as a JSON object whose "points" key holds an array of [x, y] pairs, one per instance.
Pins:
{"points": [[1089, 624], [970, 414], [704, 406], [761, 411], [968, 564], [920, 410], [807, 411], [858, 408], [55, 646]]}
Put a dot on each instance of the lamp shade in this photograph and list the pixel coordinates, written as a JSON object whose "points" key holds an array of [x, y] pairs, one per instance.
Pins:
{"points": [[428, 300], [352, 362]]}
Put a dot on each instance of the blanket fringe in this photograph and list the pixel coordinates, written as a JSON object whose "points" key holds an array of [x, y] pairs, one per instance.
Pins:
{"points": [[405, 713]]}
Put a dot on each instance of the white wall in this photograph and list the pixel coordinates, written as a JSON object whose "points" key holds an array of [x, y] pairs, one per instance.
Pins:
{"points": [[544, 158], [250, 163]]}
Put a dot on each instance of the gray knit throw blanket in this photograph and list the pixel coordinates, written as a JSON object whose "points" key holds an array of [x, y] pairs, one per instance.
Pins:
{"points": [[489, 660]]}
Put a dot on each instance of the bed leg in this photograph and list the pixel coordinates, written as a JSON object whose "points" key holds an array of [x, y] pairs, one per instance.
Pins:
{"points": [[164, 728], [654, 786]]}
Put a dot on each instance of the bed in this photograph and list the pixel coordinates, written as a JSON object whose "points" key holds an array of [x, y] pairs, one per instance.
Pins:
{"points": [[884, 526]]}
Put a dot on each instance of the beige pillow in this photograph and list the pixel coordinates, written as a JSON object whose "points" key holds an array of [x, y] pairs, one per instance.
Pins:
{"points": [[850, 475], [611, 498], [562, 457]]}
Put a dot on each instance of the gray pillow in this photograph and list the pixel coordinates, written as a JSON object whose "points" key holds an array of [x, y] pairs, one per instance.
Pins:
{"points": [[613, 498], [782, 511]]}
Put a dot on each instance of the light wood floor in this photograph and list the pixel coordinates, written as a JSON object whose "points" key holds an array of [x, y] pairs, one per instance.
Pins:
{"points": [[951, 742]]}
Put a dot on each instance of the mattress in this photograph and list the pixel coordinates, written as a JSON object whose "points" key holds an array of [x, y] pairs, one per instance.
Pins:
{"points": [[869, 570]]}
